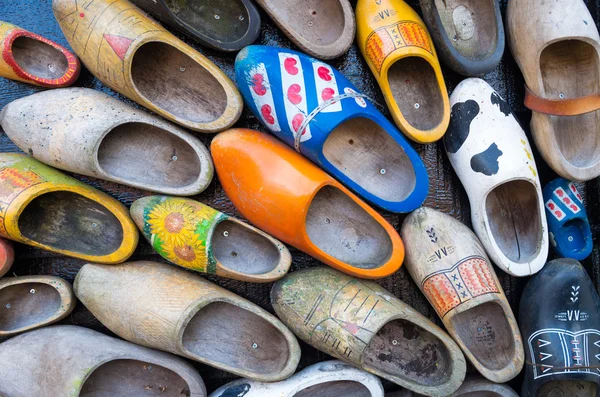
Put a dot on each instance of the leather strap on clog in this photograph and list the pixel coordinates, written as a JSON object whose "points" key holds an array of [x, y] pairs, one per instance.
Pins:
{"points": [[561, 107]]}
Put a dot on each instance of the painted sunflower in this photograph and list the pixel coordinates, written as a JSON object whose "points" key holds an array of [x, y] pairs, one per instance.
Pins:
{"points": [[173, 222], [191, 255]]}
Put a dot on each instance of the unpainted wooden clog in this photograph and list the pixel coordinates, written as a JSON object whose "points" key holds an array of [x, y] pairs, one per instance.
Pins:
{"points": [[397, 47], [559, 317], [323, 29], [363, 324], [326, 379], [295, 98], [557, 47], [468, 34], [492, 157], [44, 208], [33, 59], [449, 264], [74, 361], [7, 256], [198, 237], [293, 200], [476, 387], [32, 302], [223, 25], [156, 305], [568, 224], [103, 137], [138, 58]]}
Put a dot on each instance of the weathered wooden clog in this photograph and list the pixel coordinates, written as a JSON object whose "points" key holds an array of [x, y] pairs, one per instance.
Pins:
{"points": [[138, 58], [396, 45], [295, 98], [7, 256], [74, 361], [559, 318], [471, 387], [223, 25], [103, 137], [557, 47], [363, 324], [32, 302], [156, 305], [323, 29], [492, 157], [449, 264], [326, 379], [198, 237], [42, 207], [33, 59], [568, 224], [288, 197], [468, 34]]}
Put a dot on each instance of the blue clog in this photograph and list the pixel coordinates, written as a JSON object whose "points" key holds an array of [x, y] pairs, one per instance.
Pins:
{"points": [[568, 223], [340, 130]]}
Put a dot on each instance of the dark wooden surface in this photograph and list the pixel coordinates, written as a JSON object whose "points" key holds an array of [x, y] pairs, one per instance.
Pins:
{"points": [[445, 191]]}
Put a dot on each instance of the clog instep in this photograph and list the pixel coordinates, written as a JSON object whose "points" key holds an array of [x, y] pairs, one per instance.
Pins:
{"points": [[33, 59], [198, 237], [568, 224], [490, 153], [350, 139], [287, 196], [399, 51], [137, 57]]}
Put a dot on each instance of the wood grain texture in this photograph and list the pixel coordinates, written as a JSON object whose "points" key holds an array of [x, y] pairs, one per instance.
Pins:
{"points": [[445, 192]]}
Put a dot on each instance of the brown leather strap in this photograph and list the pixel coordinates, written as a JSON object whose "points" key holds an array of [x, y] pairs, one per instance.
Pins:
{"points": [[561, 107]]}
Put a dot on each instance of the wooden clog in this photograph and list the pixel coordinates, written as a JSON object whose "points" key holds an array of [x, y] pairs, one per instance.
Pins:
{"points": [[468, 34], [44, 208], [397, 47], [288, 197], [323, 29], [294, 96], [103, 137], [7, 256], [138, 58], [156, 305], [74, 361], [326, 379], [492, 157], [33, 59], [198, 237], [363, 324], [568, 224], [559, 317], [557, 47], [471, 387], [223, 25], [32, 302], [449, 264]]}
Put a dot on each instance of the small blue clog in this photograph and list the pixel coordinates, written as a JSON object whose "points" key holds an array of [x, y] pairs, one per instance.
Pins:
{"points": [[568, 224], [339, 129]]}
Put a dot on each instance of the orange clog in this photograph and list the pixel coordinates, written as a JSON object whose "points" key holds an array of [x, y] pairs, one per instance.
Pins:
{"points": [[290, 198]]}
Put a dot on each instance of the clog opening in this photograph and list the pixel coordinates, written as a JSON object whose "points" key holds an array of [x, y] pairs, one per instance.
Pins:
{"points": [[366, 153], [567, 388], [71, 222], [27, 304], [470, 26], [320, 22], [148, 155], [486, 333], [134, 378], [340, 227], [39, 59], [238, 338], [513, 215], [572, 237], [177, 84], [571, 69], [341, 388], [405, 350], [416, 91], [240, 248], [217, 20]]}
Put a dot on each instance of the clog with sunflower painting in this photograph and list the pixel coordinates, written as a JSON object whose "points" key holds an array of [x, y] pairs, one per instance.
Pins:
{"points": [[200, 238]]}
